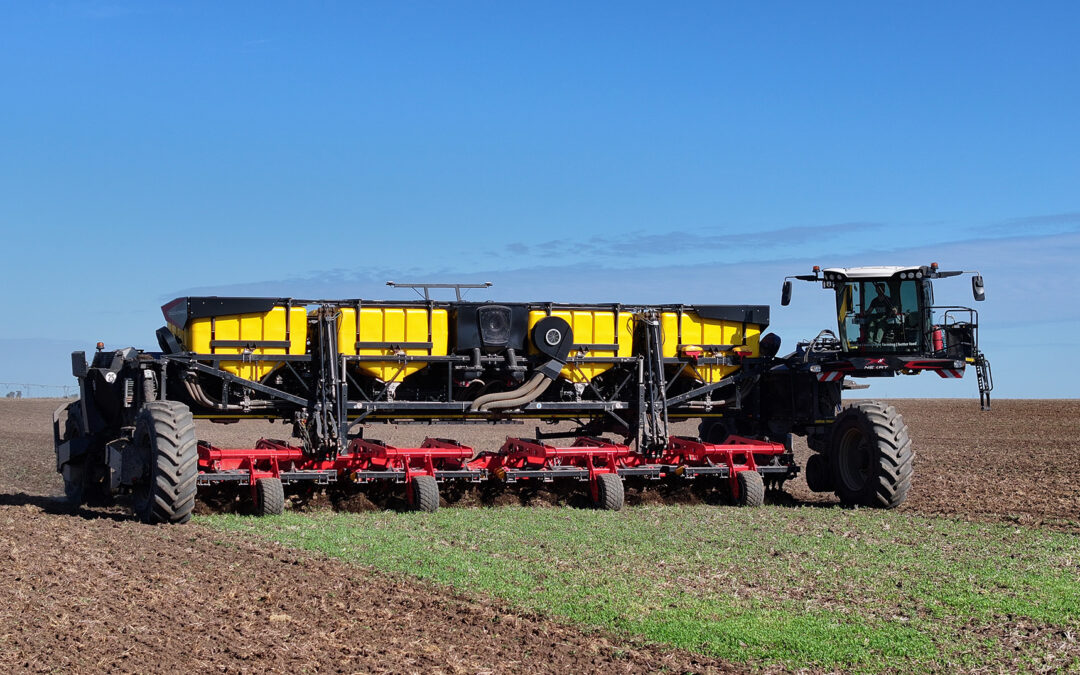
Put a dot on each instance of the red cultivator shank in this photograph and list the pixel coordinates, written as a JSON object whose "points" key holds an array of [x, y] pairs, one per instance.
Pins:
{"points": [[602, 463]]}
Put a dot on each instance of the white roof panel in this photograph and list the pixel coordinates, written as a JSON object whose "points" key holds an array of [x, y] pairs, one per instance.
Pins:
{"points": [[869, 272]]}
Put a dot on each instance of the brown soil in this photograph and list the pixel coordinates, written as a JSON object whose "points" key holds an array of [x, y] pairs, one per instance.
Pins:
{"points": [[111, 595], [98, 592], [105, 593], [1015, 463]]}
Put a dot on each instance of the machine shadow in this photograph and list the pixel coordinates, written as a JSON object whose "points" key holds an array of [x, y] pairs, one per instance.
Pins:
{"points": [[58, 506]]}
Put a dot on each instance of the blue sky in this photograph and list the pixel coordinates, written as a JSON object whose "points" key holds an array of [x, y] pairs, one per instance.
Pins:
{"points": [[690, 152]]}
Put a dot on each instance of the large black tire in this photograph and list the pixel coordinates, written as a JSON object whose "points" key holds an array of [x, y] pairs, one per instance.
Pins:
{"points": [[73, 473], [819, 474], [751, 488], [269, 497], [871, 456], [610, 495], [424, 494], [166, 432]]}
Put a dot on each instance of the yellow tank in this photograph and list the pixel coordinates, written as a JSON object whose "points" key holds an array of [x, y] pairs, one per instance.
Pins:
{"points": [[392, 331], [687, 333], [597, 333], [281, 330]]}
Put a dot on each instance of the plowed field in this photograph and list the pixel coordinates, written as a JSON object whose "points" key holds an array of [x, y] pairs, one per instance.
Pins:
{"points": [[98, 592]]}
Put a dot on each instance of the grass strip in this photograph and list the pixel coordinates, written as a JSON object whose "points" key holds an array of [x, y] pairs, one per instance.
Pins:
{"points": [[857, 590]]}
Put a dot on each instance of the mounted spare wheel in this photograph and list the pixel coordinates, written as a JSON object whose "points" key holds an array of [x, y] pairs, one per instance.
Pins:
{"points": [[871, 456], [165, 434]]}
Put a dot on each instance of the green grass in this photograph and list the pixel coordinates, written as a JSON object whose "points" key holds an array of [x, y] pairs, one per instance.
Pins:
{"points": [[855, 590]]}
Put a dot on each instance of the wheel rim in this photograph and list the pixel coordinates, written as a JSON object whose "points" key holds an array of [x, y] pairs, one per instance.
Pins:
{"points": [[855, 457]]}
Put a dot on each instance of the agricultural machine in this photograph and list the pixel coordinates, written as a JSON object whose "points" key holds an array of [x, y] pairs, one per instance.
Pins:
{"points": [[621, 375]]}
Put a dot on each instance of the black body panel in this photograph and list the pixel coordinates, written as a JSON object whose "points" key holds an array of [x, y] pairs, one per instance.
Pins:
{"points": [[756, 314], [465, 326]]}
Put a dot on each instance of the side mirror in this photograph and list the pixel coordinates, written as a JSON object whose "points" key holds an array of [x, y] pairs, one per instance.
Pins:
{"points": [[785, 295], [977, 288], [78, 364]]}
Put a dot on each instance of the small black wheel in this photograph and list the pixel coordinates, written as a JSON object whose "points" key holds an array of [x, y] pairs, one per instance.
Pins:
{"points": [[871, 455], [610, 495], [269, 497], [819, 474], [165, 431], [424, 494], [714, 430], [751, 488]]}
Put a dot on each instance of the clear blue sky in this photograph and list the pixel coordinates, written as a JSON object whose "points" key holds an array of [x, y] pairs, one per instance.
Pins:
{"points": [[617, 151]]}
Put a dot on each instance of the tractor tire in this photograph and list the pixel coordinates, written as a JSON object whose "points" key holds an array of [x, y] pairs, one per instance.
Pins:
{"points": [[269, 497], [751, 488], [166, 432], [871, 456], [424, 494], [819, 474], [74, 473], [610, 495]]}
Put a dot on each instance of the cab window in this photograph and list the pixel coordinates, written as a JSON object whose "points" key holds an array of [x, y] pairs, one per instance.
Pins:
{"points": [[879, 315]]}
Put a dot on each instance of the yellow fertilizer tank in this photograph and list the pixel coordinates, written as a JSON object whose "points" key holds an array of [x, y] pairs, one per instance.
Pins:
{"points": [[394, 332], [599, 331], [714, 336], [244, 327]]}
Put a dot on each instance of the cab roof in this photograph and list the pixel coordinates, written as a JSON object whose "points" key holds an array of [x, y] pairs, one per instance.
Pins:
{"points": [[871, 272]]}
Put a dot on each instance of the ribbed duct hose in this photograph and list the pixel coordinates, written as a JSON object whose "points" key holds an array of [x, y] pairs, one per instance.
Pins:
{"points": [[523, 390], [553, 337], [520, 400]]}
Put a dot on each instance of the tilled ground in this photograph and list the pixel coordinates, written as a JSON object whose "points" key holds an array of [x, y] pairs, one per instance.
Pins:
{"points": [[1015, 463], [100, 592], [105, 594]]}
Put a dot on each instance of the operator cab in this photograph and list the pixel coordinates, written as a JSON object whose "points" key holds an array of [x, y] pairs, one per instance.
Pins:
{"points": [[888, 324], [881, 309], [889, 310]]}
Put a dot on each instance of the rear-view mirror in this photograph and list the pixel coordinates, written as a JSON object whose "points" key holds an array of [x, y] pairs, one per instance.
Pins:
{"points": [[977, 288]]}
